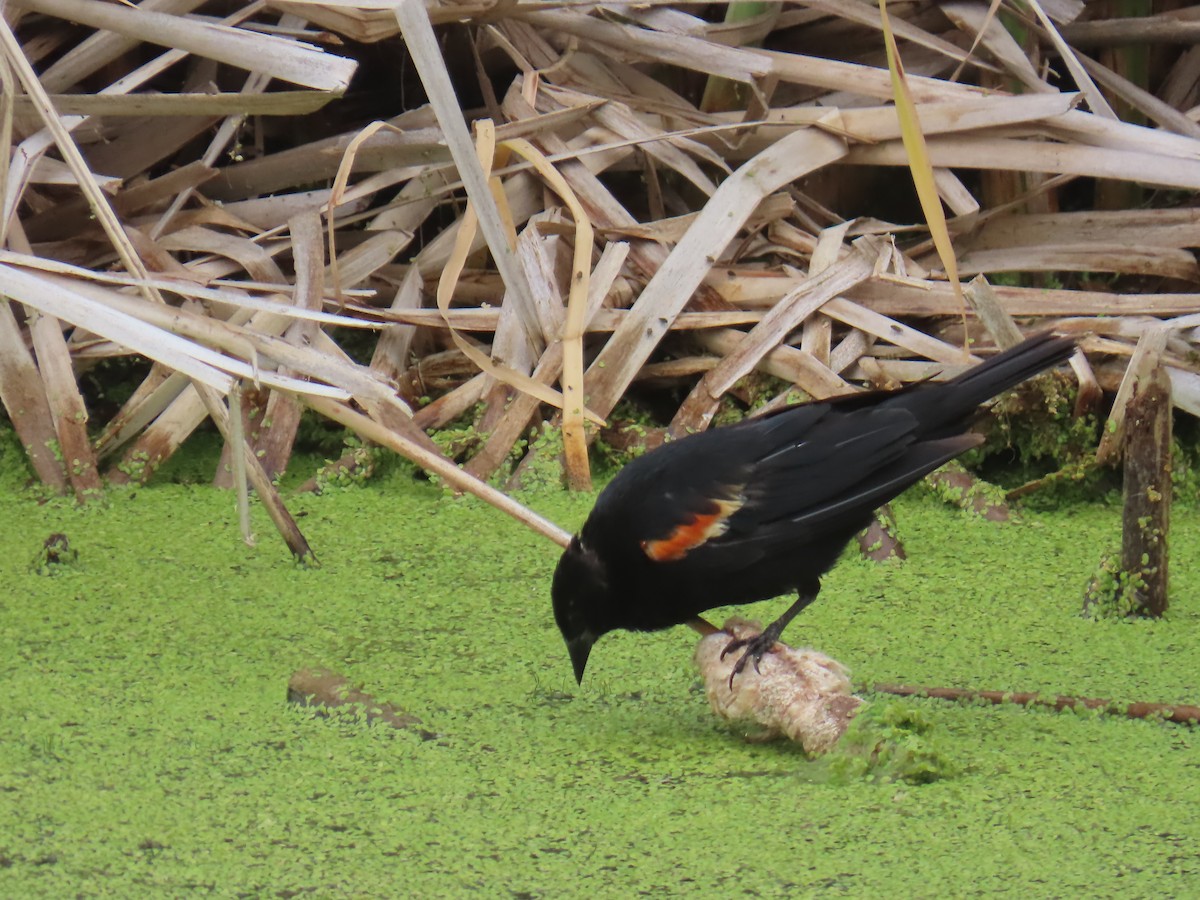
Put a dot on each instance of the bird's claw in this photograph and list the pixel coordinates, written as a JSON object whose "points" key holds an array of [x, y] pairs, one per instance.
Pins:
{"points": [[755, 648]]}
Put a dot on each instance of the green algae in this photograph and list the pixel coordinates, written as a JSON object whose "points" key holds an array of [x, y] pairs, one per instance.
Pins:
{"points": [[146, 748], [889, 741]]}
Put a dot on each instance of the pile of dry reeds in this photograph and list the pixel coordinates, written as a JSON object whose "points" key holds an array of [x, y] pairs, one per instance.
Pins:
{"points": [[652, 195]]}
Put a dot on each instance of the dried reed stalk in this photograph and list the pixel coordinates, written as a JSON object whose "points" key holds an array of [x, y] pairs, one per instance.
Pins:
{"points": [[617, 231]]}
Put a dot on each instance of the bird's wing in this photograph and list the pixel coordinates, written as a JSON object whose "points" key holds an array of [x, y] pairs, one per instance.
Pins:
{"points": [[664, 505], [703, 521], [851, 504], [829, 464], [732, 497], [814, 489]]}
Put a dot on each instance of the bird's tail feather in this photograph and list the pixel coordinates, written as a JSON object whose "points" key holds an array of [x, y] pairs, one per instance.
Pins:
{"points": [[1007, 370]]}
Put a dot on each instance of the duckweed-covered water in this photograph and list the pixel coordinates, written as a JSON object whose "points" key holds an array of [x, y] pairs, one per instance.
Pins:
{"points": [[146, 748]]}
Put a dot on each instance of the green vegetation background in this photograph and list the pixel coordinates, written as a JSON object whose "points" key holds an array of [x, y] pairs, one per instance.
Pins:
{"points": [[146, 748]]}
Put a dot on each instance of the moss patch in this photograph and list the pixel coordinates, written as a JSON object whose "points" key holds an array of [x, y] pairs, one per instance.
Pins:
{"points": [[146, 748]]}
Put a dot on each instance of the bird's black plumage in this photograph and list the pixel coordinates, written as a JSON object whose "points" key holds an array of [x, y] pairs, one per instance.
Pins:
{"points": [[764, 507]]}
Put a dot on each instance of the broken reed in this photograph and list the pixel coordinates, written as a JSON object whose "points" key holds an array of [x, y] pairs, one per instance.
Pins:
{"points": [[209, 232]]}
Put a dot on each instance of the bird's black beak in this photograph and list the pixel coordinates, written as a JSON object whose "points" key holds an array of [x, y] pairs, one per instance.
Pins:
{"points": [[580, 647]]}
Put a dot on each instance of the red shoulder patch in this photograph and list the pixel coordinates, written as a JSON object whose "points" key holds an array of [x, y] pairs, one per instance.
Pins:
{"points": [[699, 528]]}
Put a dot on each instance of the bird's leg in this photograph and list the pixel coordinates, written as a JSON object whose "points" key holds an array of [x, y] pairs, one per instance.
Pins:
{"points": [[757, 646]]}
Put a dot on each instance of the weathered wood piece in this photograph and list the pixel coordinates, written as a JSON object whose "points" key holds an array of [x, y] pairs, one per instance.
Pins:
{"points": [[880, 541], [1147, 491]]}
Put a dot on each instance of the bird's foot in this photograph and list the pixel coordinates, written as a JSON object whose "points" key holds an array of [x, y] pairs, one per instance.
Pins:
{"points": [[755, 648]]}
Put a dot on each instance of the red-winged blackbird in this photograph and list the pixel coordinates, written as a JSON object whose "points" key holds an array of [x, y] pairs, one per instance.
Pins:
{"points": [[764, 507]]}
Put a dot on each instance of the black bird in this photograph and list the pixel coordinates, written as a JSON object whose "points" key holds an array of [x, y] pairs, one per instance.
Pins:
{"points": [[764, 507]]}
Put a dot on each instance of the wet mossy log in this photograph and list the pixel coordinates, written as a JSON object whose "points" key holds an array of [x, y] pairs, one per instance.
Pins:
{"points": [[880, 541], [1147, 490]]}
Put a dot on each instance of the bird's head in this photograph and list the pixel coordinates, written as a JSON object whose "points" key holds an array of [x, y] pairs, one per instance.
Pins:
{"points": [[580, 595]]}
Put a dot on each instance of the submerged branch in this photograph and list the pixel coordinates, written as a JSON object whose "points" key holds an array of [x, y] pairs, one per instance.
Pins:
{"points": [[1183, 714], [326, 690]]}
